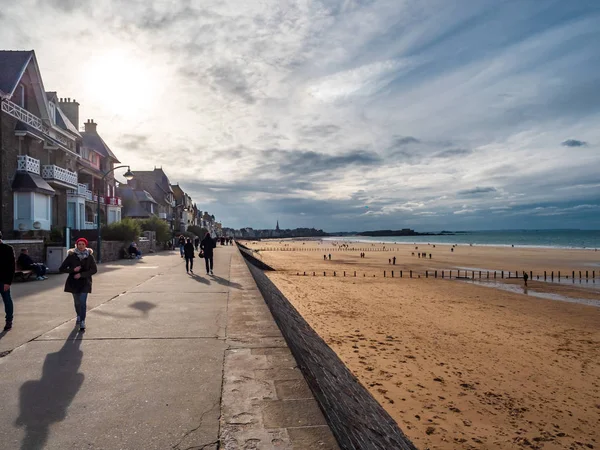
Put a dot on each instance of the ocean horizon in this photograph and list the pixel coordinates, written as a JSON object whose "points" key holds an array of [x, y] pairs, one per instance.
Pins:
{"points": [[560, 238]]}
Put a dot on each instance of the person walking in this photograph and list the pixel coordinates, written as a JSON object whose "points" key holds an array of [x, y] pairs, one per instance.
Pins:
{"points": [[80, 265], [196, 242], [7, 274], [207, 245], [181, 244], [188, 250]]}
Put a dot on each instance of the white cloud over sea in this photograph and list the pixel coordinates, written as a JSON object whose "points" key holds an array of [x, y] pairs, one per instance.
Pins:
{"points": [[342, 115]]}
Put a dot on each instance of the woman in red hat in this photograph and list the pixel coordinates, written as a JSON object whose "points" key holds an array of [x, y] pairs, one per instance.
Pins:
{"points": [[80, 265]]}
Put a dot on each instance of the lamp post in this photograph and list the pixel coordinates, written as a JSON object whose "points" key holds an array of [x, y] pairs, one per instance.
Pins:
{"points": [[128, 176]]}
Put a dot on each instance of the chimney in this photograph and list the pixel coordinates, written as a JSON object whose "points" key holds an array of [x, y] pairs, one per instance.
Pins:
{"points": [[71, 110], [90, 126]]}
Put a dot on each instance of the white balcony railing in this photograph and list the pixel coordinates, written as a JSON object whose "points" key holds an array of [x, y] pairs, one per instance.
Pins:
{"points": [[12, 109], [28, 164], [52, 172], [81, 191]]}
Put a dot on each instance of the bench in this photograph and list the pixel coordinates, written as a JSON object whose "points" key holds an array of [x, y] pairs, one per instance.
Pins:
{"points": [[22, 274]]}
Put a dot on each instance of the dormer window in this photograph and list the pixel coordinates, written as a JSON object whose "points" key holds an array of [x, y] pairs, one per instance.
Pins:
{"points": [[52, 108], [20, 94]]}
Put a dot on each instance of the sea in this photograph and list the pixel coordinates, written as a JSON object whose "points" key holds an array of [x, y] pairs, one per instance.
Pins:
{"points": [[584, 239]]}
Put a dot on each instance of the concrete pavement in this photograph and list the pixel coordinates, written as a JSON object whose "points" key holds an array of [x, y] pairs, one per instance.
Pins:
{"points": [[168, 361]]}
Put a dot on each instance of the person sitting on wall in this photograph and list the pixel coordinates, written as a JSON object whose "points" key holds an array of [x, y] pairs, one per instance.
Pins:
{"points": [[134, 250], [26, 263]]}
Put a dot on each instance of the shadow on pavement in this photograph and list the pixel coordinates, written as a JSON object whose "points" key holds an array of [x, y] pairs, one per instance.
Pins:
{"points": [[45, 401], [142, 306], [226, 282], [3, 333], [199, 279]]}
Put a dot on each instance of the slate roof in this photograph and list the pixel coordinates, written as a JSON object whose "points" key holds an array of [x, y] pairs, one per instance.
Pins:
{"points": [[13, 64], [144, 196], [27, 182], [95, 142]]}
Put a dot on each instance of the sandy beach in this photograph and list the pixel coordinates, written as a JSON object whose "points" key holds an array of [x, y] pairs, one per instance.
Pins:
{"points": [[457, 364]]}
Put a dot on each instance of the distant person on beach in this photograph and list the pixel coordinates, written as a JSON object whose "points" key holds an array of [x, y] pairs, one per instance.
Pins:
{"points": [[207, 245], [525, 277], [324, 257], [330, 257], [7, 274], [188, 250], [394, 260]]}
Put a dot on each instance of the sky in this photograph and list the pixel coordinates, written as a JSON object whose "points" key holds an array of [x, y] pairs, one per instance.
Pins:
{"points": [[340, 115]]}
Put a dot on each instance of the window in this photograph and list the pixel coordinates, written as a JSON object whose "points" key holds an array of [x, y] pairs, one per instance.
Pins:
{"points": [[21, 96], [52, 112], [23, 205]]}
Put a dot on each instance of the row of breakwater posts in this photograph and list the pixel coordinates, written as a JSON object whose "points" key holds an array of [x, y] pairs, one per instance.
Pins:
{"points": [[464, 274]]}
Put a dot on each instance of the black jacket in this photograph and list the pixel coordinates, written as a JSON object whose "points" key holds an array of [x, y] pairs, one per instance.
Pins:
{"points": [[7, 263], [207, 245], [88, 268], [25, 261], [188, 250]]}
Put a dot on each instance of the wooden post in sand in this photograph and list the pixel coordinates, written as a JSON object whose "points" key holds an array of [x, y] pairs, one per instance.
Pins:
{"points": [[586, 274], [516, 274], [344, 273], [442, 274], [450, 274], [531, 274], [544, 275], [480, 274], [313, 274], [304, 273], [426, 274], [559, 275], [552, 276], [580, 274], [573, 276], [436, 274], [324, 274], [400, 274], [458, 273], [494, 274], [411, 273], [384, 274], [502, 274], [334, 273], [488, 274], [355, 274]]}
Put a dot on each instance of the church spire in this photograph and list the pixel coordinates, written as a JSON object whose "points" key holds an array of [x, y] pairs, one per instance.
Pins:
{"points": [[277, 227]]}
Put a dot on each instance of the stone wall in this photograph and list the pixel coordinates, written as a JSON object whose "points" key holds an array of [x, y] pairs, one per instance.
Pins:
{"points": [[357, 420], [36, 248]]}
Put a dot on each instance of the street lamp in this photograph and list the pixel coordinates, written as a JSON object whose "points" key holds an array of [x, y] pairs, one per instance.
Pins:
{"points": [[128, 176]]}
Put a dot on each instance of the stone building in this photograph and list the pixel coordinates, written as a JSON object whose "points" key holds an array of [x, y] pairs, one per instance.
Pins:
{"points": [[51, 173], [184, 208], [38, 148], [157, 184]]}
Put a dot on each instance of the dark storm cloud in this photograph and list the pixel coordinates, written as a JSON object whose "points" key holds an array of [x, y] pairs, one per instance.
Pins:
{"points": [[307, 162], [134, 141], [573, 143], [406, 140], [453, 152], [478, 190]]}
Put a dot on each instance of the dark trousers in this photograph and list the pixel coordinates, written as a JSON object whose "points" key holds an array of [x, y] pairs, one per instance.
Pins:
{"points": [[8, 304], [189, 264], [80, 302], [208, 260], [39, 269]]}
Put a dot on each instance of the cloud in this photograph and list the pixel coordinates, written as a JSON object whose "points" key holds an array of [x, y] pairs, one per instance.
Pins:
{"points": [[432, 116], [573, 143], [477, 191]]}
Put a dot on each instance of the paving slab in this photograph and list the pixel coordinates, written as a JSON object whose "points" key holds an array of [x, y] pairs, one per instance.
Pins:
{"points": [[105, 394], [144, 315]]}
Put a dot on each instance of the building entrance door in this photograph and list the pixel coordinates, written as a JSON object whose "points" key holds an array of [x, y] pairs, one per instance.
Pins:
{"points": [[71, 215]]}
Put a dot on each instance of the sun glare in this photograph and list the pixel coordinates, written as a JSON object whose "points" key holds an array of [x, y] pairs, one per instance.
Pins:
{"points": [[120, 82]]}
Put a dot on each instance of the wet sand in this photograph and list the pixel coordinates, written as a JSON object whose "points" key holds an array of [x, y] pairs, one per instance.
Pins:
{"points": [[458, 365]]}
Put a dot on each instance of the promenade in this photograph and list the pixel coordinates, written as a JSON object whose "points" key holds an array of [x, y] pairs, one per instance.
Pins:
{"points": [[168, 361]]}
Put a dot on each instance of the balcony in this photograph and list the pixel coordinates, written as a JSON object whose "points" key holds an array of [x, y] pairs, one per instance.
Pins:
{"points": [[113, 201], [81, 191], [162, 216], [95, 199], [59, 176], [28, 164]]}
